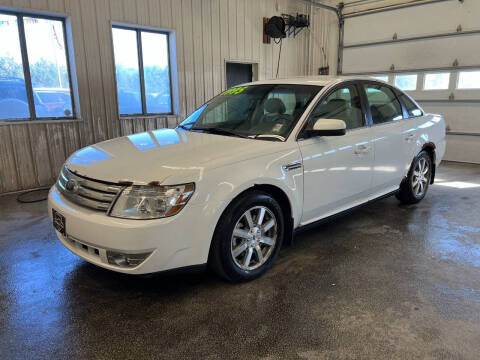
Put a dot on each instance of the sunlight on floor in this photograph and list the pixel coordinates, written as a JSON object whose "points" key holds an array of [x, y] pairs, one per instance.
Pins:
{"points": [[458, 184]]}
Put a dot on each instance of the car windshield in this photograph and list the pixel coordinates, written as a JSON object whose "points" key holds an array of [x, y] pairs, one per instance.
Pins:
{"points": [[257, 111]]}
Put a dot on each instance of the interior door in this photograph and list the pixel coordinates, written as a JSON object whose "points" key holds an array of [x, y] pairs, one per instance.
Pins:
{"points": [[388, 140], [337, 169]]}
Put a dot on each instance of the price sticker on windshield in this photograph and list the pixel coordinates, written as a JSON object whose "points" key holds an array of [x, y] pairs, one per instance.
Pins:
{"points": [[234, 91]]}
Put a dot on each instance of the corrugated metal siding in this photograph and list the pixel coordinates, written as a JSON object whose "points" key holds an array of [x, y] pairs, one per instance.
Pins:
{"points": [[208, 32]]}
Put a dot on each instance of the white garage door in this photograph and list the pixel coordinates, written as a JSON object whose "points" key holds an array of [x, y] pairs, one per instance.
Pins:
{"points": [[433, 52]]}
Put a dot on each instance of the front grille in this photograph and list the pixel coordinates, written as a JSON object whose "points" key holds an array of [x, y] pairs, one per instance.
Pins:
{"points": [[94, 194]]}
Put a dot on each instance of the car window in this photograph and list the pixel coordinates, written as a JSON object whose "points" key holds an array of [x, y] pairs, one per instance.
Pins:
{"points": [[343, 104], [384, 105], [266, 110], [288, 98], [412, 109]]}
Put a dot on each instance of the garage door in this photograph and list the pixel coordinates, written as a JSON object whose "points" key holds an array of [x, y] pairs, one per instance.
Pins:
{"points": [[432, 51]]}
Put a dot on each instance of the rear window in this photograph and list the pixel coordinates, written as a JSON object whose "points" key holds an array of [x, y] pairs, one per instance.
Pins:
{"points": [[412, 109]]}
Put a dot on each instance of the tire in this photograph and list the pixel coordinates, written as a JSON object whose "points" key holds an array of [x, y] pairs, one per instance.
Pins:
{"points": [[241, 250], [414, 187]]}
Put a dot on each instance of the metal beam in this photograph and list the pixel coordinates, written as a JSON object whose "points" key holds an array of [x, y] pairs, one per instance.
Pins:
{"points": [[391, 8], [320, 5], [440, 68], [26, 68], [448, 101], [341, 36], [413, 38]]}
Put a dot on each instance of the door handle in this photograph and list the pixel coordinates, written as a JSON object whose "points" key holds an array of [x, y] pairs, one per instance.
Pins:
{"points": [[361, 149]]}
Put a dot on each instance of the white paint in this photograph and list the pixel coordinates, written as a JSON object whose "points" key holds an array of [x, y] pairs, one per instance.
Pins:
{"points": [[337, 173]]}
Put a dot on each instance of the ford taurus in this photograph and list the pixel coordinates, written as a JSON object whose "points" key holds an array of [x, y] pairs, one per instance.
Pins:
{"points": [[237, 177]]}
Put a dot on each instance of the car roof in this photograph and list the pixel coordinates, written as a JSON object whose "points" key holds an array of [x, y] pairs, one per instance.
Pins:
{"points": [[312, 80]]}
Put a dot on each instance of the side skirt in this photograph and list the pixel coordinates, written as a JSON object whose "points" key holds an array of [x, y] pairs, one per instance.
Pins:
{"points": [[340, 214]]}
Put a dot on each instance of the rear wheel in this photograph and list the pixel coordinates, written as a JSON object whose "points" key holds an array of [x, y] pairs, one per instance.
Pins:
{"points": [[414, 188], [248, 237]]}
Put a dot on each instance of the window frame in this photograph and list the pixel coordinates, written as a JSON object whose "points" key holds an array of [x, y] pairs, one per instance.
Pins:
{"points": [[399, 93], [406, 74], [143, 99], [367, 104], [376, 77], [459, 72], [26, 66], [348, 83], [435, 73]]}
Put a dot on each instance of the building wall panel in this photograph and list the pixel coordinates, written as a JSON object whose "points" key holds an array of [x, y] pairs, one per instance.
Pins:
{"points": [[207, 32]]}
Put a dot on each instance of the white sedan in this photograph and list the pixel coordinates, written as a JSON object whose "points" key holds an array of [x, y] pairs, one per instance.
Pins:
{"points": [[235, 180]]}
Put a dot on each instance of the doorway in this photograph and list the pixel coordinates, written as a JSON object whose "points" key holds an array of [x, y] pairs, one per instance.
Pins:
{"points": [[238, 73]]}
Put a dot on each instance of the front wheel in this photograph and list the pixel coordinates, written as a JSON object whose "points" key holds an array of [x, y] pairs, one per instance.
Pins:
{"points": [[414, 188], [248, 237]]}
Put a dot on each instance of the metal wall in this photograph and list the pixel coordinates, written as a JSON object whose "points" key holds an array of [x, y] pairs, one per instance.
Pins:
{"points": [[208, 33]]}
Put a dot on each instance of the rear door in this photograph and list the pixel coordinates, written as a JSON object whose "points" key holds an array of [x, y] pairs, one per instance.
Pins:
{"points": [[386, 117], [410, 127]]}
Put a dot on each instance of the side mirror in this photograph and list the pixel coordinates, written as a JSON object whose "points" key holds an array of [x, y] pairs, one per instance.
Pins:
{"points": [[328, 127]]}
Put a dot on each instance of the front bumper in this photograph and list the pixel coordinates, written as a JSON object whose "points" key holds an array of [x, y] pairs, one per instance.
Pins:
{"points": [[178, 241]]}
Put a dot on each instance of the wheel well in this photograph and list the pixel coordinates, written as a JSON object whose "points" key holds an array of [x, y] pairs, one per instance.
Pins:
{"points": [[430, 149], [282, 198]]}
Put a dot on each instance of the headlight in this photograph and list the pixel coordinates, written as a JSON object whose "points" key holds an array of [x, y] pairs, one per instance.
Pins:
{"points": [[152, 202]]}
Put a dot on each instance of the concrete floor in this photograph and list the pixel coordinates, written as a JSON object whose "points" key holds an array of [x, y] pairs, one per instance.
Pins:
{"points": [[386, 282]]}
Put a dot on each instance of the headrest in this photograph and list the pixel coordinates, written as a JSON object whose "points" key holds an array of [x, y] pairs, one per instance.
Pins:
{"points": [[335, 106], [274, 105], [338, 102]]}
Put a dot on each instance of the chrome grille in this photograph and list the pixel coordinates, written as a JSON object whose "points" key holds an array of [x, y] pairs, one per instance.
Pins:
{"points": [[94, 194]]}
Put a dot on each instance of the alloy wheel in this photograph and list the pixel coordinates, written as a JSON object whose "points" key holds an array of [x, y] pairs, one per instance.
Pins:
{"points": [[420, 177], [254, 238]]}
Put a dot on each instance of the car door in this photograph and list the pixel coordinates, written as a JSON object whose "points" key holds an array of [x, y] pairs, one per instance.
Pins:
{"points": [[386, 116], [337, 169], [410, 127]]}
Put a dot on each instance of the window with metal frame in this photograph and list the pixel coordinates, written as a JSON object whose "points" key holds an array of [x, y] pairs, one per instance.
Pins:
{"points": [[35, 77], [380, 77], [406, 82], [142, 66], [436, 81], [342, 104], [468, 80], [384, 105], [412, 109]]}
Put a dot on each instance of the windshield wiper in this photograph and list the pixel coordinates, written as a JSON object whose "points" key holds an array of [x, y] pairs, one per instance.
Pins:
{"points": [[185, 126], [219, 131], [269, 137]]}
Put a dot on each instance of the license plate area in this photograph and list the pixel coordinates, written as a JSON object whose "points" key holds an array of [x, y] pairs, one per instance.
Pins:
{"points": [[59, 222]]}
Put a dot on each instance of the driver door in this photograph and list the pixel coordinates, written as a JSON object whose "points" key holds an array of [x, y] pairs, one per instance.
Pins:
{"points": [[337, 169]]}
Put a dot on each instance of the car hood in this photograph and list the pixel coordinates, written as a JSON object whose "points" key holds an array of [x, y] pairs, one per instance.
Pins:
{"points": [[154, 156]]}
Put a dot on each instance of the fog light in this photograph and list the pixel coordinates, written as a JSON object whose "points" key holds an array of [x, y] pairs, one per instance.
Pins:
{"points": [[126, 260]]}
